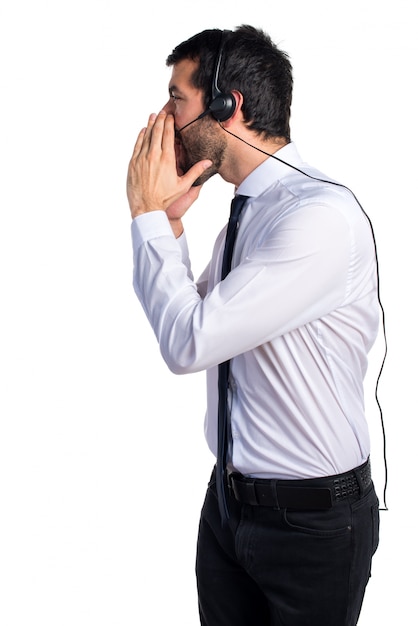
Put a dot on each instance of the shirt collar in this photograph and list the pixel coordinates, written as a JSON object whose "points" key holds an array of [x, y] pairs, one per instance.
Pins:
{"points": [[269, 171]]}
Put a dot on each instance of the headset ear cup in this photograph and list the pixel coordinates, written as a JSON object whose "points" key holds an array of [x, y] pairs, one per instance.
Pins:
{"points": [[223, 106]]}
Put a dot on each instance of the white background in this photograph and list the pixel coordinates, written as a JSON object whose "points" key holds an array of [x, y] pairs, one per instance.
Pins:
{"points": [[98, 509]]}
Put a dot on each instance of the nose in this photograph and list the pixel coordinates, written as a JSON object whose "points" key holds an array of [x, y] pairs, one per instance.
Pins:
{"points": [[168, 107]]}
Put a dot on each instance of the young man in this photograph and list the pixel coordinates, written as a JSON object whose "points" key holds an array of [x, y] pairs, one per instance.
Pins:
{"points": [[290, 520]]}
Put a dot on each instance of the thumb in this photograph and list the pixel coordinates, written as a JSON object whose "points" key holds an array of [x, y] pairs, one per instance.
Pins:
{"points": [[196, 171]]}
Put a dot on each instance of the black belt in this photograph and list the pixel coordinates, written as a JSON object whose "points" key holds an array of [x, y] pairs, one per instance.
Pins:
{"points": [[311, 493]]}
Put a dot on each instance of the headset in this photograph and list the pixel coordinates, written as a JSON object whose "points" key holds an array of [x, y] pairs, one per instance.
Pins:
{"points": [[222, 105], [222, 108]]}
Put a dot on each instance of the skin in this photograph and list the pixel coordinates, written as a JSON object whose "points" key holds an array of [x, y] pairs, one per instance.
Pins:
{"points": [[166, 174]]}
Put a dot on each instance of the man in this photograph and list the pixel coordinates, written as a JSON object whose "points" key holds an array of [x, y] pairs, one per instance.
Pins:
{"points": [[289, 527]]}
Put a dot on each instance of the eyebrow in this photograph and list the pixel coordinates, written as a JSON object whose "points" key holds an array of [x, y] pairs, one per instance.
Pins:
{"points": [[174, 88]]}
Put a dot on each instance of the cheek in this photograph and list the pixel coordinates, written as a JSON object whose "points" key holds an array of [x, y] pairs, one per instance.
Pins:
{"points": [[179, 120]]}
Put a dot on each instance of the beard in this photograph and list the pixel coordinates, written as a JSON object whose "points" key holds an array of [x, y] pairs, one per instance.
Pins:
{"points": [[200, 142]]}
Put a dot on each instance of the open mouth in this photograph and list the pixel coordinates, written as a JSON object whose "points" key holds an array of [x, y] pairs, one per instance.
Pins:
{"points": [[180, 154]]}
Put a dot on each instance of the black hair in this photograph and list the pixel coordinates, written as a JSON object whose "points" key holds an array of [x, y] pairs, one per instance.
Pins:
{"points": [[251, 64]]}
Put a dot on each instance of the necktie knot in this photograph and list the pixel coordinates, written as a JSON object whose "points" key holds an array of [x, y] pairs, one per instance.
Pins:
{"points": [[237, 205]]}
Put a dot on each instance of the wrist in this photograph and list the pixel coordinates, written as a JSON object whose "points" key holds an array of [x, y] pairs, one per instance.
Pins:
{"points": [[177, 227], [136, 211]]}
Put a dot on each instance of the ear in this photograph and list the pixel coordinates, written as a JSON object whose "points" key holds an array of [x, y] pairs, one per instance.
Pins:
{"points": [[237, 114]]}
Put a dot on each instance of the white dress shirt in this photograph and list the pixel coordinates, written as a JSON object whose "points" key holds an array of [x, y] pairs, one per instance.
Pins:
{"points": [[297, 316]]}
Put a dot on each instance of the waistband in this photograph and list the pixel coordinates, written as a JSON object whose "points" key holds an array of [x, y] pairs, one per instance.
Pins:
{"points": [[310, 493]]}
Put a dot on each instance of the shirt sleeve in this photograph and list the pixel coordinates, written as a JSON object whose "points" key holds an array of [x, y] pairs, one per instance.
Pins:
{"points": [[295, 272]]}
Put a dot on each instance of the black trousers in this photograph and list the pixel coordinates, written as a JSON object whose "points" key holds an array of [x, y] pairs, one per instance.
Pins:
{"points": [[271, 567]]}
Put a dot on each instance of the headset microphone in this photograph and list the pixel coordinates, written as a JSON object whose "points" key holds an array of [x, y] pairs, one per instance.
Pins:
{"points": [[195, 120]]}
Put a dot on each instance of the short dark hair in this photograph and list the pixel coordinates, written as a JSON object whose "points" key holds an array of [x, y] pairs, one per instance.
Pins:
{"points": [[252, 64]]}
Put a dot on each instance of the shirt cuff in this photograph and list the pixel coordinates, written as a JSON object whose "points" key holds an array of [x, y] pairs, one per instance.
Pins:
{"points": [[150, 226]]}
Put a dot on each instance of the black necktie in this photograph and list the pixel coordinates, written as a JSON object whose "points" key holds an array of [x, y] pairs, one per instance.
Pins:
{"points": [[223, 368]]}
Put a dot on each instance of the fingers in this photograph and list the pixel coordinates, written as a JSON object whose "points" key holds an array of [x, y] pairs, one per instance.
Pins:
{"points": [[157, 137], [138, 143], [168, 131]]}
